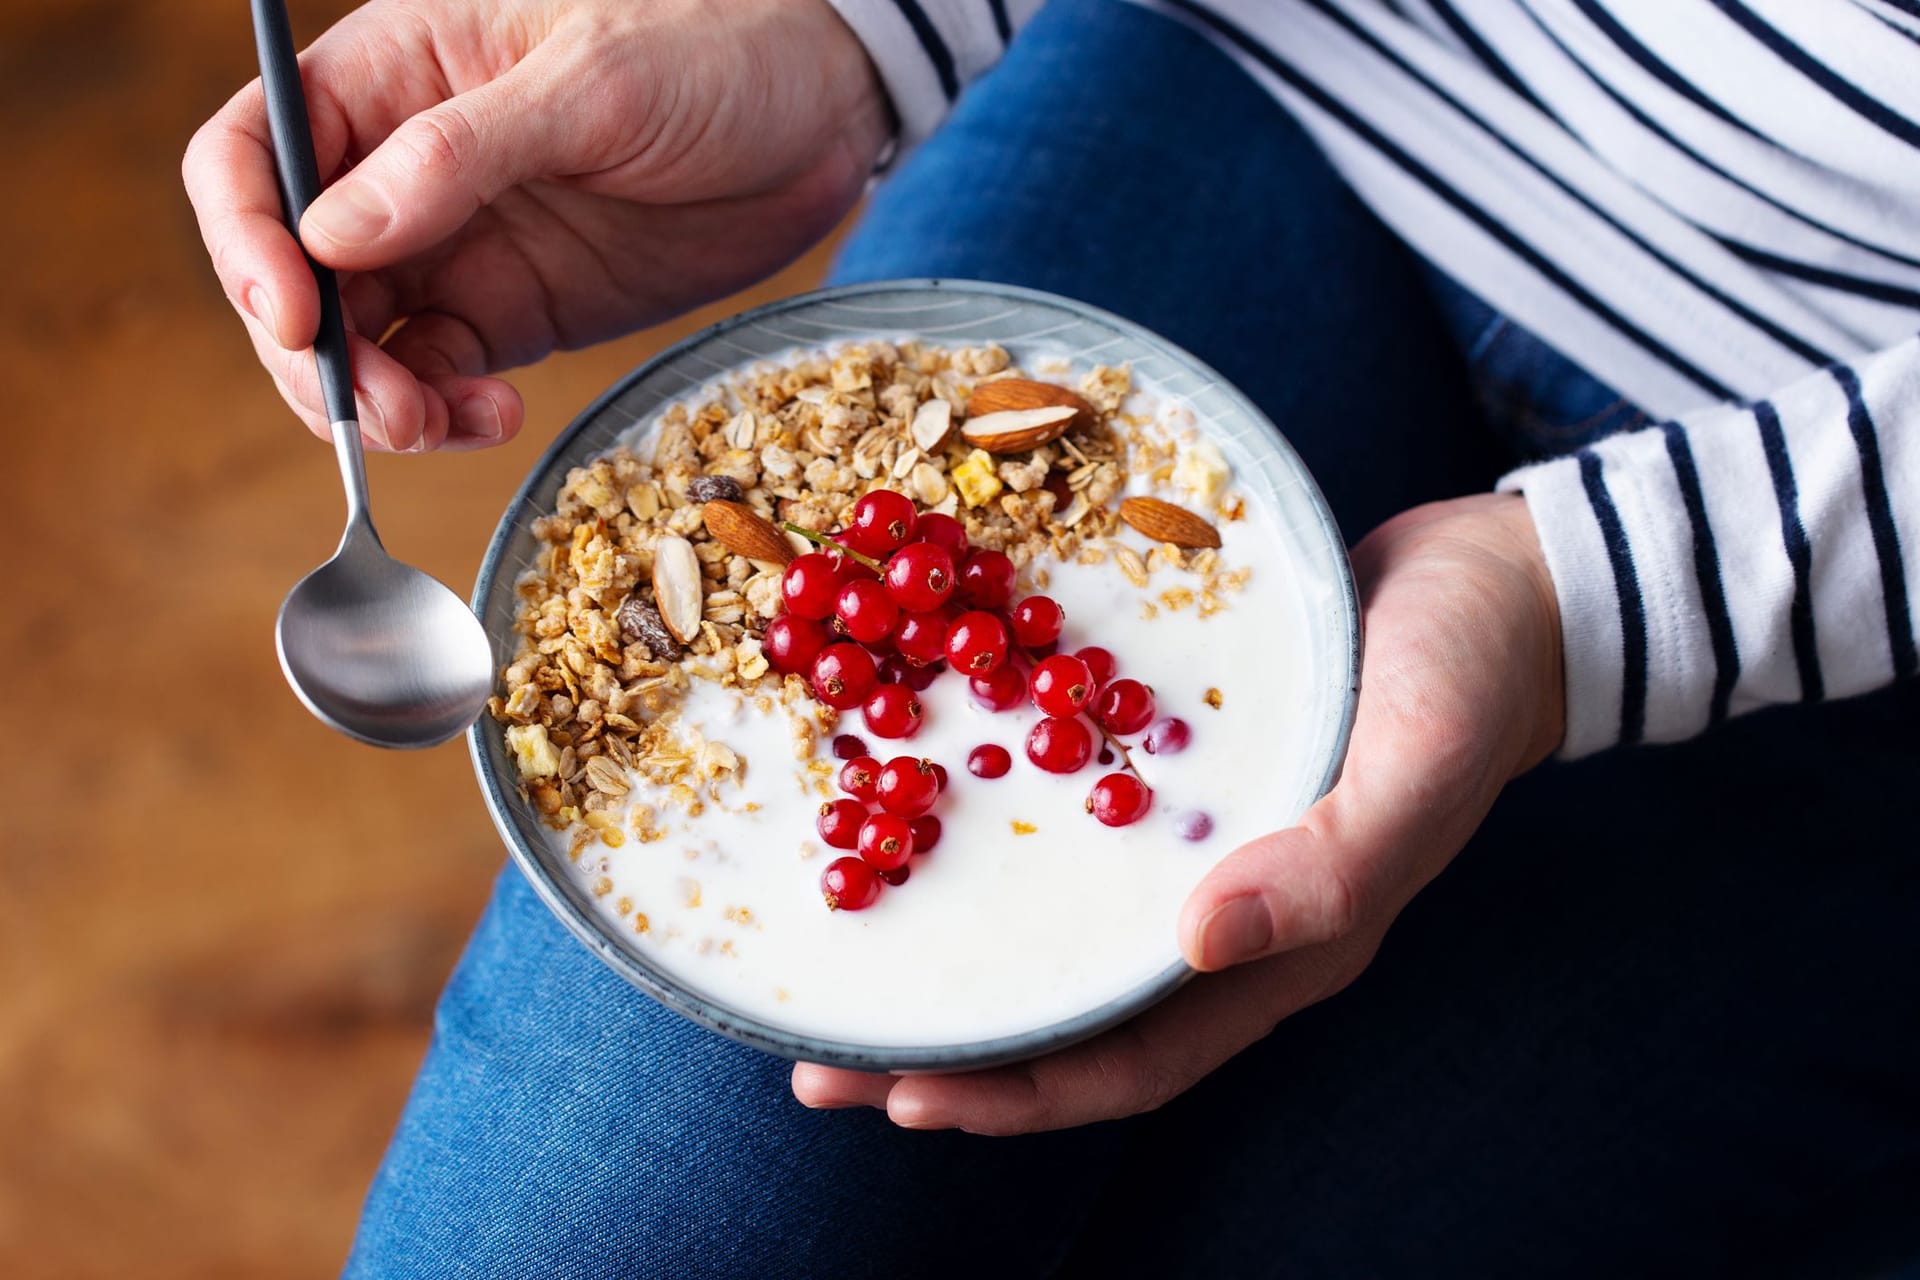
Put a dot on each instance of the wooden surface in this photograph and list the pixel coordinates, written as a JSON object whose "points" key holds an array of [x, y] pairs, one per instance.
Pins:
{"points": [[222, 928]]}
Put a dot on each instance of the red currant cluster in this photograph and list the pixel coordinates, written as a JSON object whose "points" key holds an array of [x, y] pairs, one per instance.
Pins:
{"points": [[883, 817], [885, 606]]}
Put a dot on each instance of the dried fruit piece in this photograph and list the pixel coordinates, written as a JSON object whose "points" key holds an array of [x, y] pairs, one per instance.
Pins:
{"points": [[745, 532], [975, 478], [1202, 471], [641, 621], [1164, 522], [1018, 430], [677, 589], [931, 423], [1005, 394], [715, 489]]}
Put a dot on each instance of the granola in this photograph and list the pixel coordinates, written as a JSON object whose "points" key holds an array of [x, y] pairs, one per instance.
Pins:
{"points": [[632, 596]]}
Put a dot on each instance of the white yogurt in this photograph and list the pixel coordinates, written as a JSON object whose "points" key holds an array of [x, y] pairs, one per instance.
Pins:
{"points": [[995, 933]]}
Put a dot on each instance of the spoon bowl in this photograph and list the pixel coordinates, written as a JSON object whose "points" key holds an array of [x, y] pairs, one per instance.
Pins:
{"points": [[381, 651]]}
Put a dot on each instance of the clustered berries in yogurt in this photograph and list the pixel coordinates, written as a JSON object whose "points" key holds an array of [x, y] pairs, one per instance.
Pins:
{"points": [[887, 605]]}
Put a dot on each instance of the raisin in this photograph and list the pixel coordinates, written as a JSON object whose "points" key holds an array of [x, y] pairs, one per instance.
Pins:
{"points": [[641, 621], [715, 489]]}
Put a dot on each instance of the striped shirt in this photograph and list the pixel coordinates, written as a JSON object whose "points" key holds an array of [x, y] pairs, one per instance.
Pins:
{"points": [[1713, 206]]}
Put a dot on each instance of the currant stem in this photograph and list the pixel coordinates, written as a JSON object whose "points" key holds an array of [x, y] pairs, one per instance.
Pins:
{"points": [[822, 540]]}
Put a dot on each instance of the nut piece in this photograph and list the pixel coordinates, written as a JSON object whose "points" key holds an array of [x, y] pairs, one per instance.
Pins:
{"points": [[1164, 522], [931, 423], [1003, 394], [641, 621], [1018, 430], [676, 587], [714, 489], [745, 532]]}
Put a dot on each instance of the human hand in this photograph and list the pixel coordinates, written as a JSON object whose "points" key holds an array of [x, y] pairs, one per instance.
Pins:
{"points": [[1461, 690], [511, 176]]}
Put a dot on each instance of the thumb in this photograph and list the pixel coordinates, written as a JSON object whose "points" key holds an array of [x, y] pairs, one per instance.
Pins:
{"points": [[1400, 810], [431, 173]]}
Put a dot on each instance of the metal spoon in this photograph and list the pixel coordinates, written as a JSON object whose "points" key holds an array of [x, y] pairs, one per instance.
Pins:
{"points": [[380, 651]]}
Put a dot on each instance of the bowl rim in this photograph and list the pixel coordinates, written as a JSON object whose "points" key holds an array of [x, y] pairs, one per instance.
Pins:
{"points": [[798, 1046]]}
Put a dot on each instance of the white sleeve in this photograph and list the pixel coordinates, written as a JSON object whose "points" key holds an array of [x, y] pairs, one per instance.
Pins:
{"points": [[1741, 556], [927, 51]]}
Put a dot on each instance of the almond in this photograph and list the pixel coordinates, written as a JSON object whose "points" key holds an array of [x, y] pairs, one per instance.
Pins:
{"points": [[745, 532], [931, 423], [1018, 430], [1003, 394], [1165, 522], [676, 587]]}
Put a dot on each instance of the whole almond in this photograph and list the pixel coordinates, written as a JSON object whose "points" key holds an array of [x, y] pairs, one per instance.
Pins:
{"points": [[677, 589], [1003, 394], [1018, 430], [745, 532], [931, 423], [1165, 522]]}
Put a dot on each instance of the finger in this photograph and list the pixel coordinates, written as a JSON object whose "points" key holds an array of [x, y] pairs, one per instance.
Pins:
{"points": [[1135, 1067], [396, 413], [827, 1088], [229, 175], [481, 412], [437, 167]]}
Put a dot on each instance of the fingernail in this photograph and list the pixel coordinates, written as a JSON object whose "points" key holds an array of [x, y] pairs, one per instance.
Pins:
{"points": [[374, 423], [350, 214], [479, 418], [1236, 930], [260, 307]]}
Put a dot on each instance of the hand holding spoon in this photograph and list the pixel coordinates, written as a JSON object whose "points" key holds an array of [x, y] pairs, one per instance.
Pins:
{"points": [[376, 649]]}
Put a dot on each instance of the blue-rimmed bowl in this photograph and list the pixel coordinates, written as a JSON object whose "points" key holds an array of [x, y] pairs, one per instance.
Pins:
{"points": [[1030, 325]]}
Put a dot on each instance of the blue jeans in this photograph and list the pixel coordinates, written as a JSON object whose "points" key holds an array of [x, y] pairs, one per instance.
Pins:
{"points": [[1661, 1017]]}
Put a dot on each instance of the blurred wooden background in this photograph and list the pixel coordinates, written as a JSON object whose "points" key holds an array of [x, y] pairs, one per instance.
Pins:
{"points": [[222, 928]]}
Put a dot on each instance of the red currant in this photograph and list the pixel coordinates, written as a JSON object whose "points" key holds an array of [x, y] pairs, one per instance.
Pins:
{"points": [[920, 576], [1125, 707], [1061, 685], [792, 642], [847, 746], [1167, 736], [1036, 621], [843, 675], [884, 518], [989, 760], [1119, 799], [886, 841], [839, 822], [1001, 689], [848, 884], [940, 776], [945, 532], [893, 711], [986, 579], [1059, 746], [860, 778], [908, 786], [865, 611], [1099, 661], [810, 584], [921, 638], [926, 833], [976, 642], [868, 542], [896, 877]]}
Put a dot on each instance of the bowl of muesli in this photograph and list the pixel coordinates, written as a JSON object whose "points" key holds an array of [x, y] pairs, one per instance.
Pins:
{"points": [[880, 669]]}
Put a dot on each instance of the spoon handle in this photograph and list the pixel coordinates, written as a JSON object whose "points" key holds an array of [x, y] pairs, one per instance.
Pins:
{"points": [[299, 185]]}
